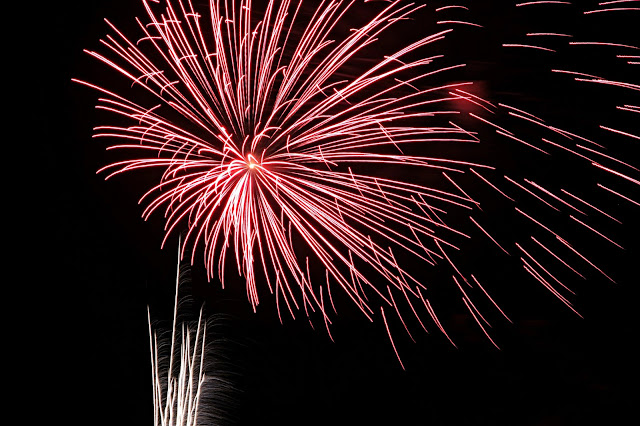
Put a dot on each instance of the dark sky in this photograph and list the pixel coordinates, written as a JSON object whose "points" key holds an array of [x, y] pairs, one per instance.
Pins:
{"points": [[93, 266]]}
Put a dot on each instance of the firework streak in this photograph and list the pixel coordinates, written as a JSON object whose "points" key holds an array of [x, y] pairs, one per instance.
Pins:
{"points": [[178, 386], [272, 150], [191, 381]]}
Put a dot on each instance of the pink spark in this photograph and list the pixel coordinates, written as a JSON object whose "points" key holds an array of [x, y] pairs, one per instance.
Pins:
{"points": [[488, 235], [548, 34], [622, 175], [596, 232], [620, 132], [619, 195], [451, 7], [460, 22], [384, 318], [490, 298], [490, 184], [618, 9], [532, 3], [558, 258], [590, 205], [528, 46]]}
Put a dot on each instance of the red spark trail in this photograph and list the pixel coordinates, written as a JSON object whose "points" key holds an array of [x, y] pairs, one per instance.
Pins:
{"points": [[529, 46], [619, 195], [539, 2], [488, 235], [593, 207]]}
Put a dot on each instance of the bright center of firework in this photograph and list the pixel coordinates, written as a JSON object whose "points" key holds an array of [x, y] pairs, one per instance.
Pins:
{"points": [[251, 162]]}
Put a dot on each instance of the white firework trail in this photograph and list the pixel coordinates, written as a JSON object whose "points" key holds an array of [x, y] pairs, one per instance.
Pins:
{"points": [[183, 393]]}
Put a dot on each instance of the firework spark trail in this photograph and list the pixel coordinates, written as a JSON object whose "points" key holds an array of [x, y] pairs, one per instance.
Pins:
{"points": [[191, 381], [545, 195], [176, 397], [269, 153], [177, 388]]}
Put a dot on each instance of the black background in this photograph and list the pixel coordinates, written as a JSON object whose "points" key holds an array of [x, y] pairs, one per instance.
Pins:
{"points": [[93, 266]]}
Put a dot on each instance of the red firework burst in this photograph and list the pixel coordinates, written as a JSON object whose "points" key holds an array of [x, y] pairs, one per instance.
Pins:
{"points": [[270, 148]]}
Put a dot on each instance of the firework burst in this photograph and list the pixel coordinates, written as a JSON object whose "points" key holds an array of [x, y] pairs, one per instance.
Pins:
{"points": [[275, 142], [272, 163]]}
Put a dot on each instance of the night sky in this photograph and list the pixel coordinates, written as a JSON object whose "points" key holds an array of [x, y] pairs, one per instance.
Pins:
{"points": [[93, 266]]}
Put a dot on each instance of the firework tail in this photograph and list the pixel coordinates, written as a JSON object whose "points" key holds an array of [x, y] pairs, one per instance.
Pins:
{"points": [[192, 381]]}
